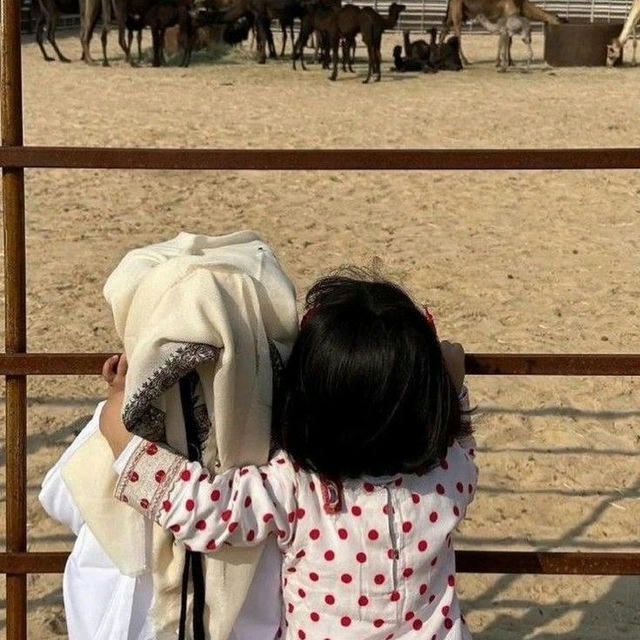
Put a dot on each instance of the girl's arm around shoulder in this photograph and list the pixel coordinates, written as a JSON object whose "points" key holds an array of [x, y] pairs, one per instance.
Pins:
{"points": [[240, 507]]}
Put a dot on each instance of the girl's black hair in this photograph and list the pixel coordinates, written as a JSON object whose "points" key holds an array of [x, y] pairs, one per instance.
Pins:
{"points": [[366, 391]]}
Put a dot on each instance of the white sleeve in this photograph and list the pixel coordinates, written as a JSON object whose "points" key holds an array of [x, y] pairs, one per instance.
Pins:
{"points": [[54, 495]]}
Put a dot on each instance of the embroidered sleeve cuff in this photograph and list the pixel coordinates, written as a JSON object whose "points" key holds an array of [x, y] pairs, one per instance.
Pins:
{"points": [[147, 477]]}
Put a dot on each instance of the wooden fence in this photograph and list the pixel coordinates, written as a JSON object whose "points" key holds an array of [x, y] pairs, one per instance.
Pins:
{"points": [[16, 363]]}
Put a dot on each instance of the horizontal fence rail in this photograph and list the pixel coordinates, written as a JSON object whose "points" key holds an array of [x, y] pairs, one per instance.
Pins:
{"points": [[506, 364], [500, 562], [319, 159]]}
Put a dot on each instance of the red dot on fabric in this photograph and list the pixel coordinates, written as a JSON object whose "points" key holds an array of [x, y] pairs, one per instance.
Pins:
{"points": [[186, 475], [398, 482], [342, 534], [290, 608], [391, 554], [152, 449], [445, 610], [329, 599], [444, 464], [134, 477], [460, 487], [379, 578], [312, 486], [417, 624], [329, 555], [314, 577], [226, 515], [433, 562], [395, 596], [292, 516], [314, 534], [247, 502], [431, 598], [410, 615], [433, 516], [235, 496], [345, 621], [301, 634], [448, 623], [361, 557], [406, 527], [251, 535], [378, 623], [291, 570], [356, 510], [166, 505], [389, 636], [211, 545], [301, 554], [368, 487], [201, 525], [373, 534], [300, 514], [175, 528], [423, 589], [451, 580], [144, 503], [281, 533], [230, 484], [314, 616], [280, 460], [346, 578], [440, 489], [301, 593], [456, 511], [215, 495], [407, 573], [161, 475], [386, 510], [422, 545], [267, 517], [244, 471], [190, 505], [363, 601], [416, 498], [232, 527]]}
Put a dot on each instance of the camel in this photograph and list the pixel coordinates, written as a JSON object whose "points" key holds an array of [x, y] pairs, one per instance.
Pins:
{"points": [[614, 48], [418, 49], [445, 56], [506, 28], [460, 10], [372, 26], [321, 20], [408, 63], [50, 10], [90, 11]]}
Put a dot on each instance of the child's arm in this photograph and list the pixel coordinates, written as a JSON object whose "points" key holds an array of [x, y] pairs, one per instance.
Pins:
{"points": [[239, 507]]}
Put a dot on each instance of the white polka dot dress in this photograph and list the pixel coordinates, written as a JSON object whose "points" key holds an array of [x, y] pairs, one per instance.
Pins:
{"points": [[370, 560]]}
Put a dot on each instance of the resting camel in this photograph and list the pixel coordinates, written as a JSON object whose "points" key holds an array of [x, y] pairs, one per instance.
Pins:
{"points": [[614, 48], [418, 49], [460, 10], [50, 10], [506, 28]]}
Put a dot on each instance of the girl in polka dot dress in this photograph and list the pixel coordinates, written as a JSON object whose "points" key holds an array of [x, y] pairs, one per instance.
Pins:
{"points": [[374, 472]]}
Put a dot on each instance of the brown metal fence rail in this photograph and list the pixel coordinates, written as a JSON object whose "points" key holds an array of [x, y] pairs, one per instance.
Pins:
{"points": [[16, 364]]}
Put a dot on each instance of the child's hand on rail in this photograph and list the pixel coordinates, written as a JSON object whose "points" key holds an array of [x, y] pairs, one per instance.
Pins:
{"points": [[114, 372], [453, 356]]}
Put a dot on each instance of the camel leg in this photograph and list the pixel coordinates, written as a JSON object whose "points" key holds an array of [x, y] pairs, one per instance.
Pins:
{"points": [[503, 52], [527, 40], [139, 45], [634, 60], [378, 58], [89, 18], [345, 54], [156, 36], [120, 10], [51, 36], [455, 21], [370, 56], [261, 40], [106, 22], [335, 45], [40, 35]]}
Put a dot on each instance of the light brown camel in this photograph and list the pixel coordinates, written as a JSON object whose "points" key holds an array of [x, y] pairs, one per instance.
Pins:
{"points": [[90, 11], [614, 48], [458, 11]]}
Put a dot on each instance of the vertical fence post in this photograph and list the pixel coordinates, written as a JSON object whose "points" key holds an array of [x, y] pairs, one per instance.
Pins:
{"points": [[15, 313]]}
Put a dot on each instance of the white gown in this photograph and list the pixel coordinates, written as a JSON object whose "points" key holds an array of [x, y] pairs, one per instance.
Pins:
{"points": [[103, 604]]}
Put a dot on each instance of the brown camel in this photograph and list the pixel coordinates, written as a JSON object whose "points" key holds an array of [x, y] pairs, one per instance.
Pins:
{"points": [[372, 26], [459, 11], [50, 10]]}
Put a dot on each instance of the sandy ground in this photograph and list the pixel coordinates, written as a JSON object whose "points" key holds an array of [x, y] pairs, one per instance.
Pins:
{"points": [[510, 261]]}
